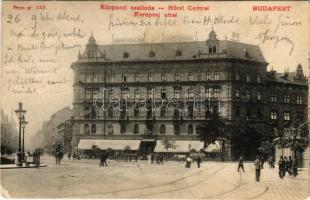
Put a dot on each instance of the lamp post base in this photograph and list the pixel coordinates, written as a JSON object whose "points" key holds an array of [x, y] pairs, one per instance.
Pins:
{"points": [[19, 159]]}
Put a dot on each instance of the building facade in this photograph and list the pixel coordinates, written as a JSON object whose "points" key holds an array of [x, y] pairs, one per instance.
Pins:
{"points": [[137, 88]]}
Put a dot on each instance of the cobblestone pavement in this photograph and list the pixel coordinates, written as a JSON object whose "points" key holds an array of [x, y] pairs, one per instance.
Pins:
{"points": [[214, 180]]}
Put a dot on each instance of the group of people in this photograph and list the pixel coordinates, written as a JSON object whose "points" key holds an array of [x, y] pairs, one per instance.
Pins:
{"points": [[285, 165], [158, 158], [188, 161]]}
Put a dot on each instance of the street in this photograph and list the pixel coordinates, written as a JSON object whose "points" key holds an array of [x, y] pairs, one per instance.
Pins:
{"points": [[85, 179]]}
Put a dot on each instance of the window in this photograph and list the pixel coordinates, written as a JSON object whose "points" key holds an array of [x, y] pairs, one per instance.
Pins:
{"points": [[190, 76], [273, 115], [248, 95], [216, 76], [259, 113], [208, 75], [86, 129], [216, 92], [176, 113], [237, 111], [137, 93], [162, 111], [199, 77], [110, 129], [209, 92], [137, 77], [190, 93], [95, 78], [149, 78], [177, 93], [190, 129], [136, 111], [111, 78], [259, 96], [299, 100], [150, 94], [88, 78], [110, 111], [176, 129], [152, 54], [178, 53], [237, 76], [286, 116], [124, 78], [163, 77], [110, 94], [125, 54], [212, 49], [190, 111], [123, 129], [248, 78], [93, 128], [162, 129], [273, 97], [258, 79], [287, 99], [177, 77], [237, 93], [136, 129], [300, 116], [124, 94], [88, 94], [163, 93]]}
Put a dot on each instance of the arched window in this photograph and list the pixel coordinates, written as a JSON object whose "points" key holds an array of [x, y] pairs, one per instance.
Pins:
{"points": [[110, 129], [136, 129], [176, 129], [162, 129], [93, 128], [123, 129], [86, 129], [190, 111], [190, 129]]}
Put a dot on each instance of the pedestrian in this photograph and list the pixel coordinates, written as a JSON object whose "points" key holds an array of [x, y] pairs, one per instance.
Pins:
{"points": [[198, 161], [152, 158], [257, 164], [157, 159], [130, 158], [188, 162], [281, 165], [103, 160], [295, 166], [289, 165], [272, 160], [240, 164], [161, 158], [69, 156]]}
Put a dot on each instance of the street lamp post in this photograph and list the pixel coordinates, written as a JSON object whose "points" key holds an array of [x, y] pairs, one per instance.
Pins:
{"points": [[24, 123], [20, 113]]}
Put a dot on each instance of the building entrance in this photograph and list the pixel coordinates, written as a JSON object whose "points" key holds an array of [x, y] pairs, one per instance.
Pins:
{"points": [[147, 146]]}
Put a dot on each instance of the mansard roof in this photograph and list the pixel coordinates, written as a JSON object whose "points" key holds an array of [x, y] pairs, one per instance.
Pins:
{"points": [[173, 51]]}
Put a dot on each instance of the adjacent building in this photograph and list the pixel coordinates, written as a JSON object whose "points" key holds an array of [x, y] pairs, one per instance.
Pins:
{"points": [[138, 86]]}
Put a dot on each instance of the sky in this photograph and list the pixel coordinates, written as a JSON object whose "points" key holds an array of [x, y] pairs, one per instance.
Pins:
{"points": [[43, 61]]}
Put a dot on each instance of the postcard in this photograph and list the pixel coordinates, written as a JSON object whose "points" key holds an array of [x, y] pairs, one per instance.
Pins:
{"points": [[155, 99]]}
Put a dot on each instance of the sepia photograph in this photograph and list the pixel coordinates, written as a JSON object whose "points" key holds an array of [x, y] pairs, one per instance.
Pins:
{"points": [[155, 100]]}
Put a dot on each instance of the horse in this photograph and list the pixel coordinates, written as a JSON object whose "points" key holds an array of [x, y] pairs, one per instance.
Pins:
{"points": [[58, 157]]}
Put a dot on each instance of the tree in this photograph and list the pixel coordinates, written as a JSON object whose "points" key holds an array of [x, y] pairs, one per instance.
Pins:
{"points": [[168, 144], [245, 140], [211, 131], [296, 137]]}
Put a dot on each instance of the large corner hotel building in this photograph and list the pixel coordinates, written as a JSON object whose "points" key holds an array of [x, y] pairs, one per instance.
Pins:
{"points": [[231, 77]]}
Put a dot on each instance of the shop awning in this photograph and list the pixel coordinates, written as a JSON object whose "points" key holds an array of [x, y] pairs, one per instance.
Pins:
{"points": [[105, 144], [179, 146]]}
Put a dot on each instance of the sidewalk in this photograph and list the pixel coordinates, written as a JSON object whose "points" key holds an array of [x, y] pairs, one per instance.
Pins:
{"points": [[13, 166]]}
